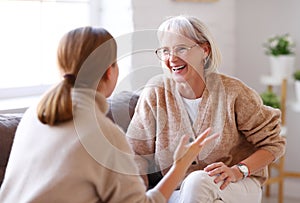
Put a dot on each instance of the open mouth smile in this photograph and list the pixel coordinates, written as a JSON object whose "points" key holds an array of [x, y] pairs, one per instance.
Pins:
{"points": [[178, 68]]}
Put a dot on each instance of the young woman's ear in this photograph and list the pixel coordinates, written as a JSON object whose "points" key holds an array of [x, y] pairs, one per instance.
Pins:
{"points": [[108, 73]]}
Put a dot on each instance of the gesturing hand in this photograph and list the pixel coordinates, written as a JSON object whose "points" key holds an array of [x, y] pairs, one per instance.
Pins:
{"points": [[186, 152]]}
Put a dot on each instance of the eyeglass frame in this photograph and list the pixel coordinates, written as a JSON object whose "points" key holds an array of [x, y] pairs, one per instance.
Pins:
{"points": [[174, 53]]}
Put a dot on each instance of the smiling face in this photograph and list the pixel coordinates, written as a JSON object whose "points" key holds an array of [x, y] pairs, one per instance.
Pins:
{"points": [[186, 57]]}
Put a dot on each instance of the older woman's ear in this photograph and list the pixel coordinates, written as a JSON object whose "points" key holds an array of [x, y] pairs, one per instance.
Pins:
{"points": [[206, 48]]}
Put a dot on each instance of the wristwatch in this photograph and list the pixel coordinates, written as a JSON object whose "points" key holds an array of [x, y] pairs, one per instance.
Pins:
{"points": [[243, 169]]}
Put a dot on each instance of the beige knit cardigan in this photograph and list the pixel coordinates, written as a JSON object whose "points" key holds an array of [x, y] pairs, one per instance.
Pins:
{"points": [[228, 105]]}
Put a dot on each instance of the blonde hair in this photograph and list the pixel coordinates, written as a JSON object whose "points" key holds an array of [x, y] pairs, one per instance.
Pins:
{"points": [[195, 30], [74, 48]]}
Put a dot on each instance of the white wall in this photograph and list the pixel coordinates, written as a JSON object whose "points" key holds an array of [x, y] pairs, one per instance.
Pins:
{"points": [[116, 17], [219, 16], [256, 21]]}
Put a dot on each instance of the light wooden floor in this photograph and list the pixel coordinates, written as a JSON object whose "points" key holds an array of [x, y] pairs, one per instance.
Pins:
{"points": [[291, 192]]}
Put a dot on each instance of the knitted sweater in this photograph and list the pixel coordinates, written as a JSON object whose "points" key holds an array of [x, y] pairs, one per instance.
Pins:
{"points": [[86, 160], [228, 106]]}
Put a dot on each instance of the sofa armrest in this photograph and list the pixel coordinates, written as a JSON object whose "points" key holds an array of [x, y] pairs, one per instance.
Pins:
{"points": [[8, 126]]}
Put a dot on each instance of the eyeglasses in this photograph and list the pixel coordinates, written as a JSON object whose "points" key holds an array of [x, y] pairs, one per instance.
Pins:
{"points": [[164, 53]]}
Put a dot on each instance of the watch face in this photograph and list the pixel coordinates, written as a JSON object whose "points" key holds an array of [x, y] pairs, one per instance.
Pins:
{"points": [[244, 169]]}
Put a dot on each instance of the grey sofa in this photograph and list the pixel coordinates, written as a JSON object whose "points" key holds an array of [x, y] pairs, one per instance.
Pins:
{"points": [[8, 125]]}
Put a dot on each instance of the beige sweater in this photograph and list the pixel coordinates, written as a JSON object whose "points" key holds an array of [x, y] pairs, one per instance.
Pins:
{"points": [[82, 161], [228, 106]]}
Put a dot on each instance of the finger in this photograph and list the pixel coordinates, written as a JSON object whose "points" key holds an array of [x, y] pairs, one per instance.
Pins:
{"points": [[215, 171], [212, 166], [202, 136], [181, 148], [220, 177], [183, 140], [226, 182], [210, 138]]}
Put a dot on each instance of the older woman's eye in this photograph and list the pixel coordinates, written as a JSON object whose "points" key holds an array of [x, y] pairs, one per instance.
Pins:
{"points": [[165, 51], [181, 50]]}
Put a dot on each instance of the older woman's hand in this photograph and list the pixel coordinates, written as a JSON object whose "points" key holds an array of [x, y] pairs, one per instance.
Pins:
{"points": [[222, 173]]}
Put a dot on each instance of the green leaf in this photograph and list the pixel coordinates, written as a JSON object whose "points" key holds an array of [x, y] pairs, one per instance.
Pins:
{"points": [[297, 75], [270, 99]]}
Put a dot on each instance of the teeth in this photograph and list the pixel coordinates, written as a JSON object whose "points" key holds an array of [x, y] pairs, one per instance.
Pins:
{"points": [[178, 68]]}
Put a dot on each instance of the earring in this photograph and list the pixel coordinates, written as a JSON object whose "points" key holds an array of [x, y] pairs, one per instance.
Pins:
{"points": [[205, 60]]}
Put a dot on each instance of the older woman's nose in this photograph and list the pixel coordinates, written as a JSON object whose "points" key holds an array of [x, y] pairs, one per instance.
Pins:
{"points": [[172, 56]]}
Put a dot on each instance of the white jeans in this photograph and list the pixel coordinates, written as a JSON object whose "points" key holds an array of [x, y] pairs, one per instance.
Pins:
{"points": [[200, 187]]}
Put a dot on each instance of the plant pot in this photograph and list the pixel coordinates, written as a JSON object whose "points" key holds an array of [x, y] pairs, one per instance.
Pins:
{"points": [[297, 90], [282, 66]]}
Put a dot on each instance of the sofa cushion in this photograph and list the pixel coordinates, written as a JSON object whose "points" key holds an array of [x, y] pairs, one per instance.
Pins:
{"points": [[8, 126], [122, 107]]}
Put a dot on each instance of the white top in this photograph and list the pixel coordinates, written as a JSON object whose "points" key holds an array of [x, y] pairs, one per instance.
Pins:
{"points": [[192, 106]]}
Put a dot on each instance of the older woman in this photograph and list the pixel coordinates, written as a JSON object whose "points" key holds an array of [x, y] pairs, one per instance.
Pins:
{"points": [[192, 97]]}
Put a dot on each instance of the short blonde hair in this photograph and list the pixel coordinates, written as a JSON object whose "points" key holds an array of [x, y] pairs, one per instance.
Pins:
{"points": [[194, 29]]}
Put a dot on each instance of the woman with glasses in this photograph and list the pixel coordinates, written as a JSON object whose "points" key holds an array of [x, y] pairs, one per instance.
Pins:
{"points": [[192, 97]]}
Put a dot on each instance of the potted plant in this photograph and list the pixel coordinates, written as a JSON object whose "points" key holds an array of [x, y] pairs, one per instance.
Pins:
{"points": [[297, 84], [269, 98], [279, 48]]}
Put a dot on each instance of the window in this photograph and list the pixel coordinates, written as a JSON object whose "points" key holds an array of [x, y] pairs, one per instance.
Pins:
{"points": [[30, 32]]}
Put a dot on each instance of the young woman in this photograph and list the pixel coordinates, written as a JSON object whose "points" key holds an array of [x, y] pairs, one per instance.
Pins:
{"points": [[67, 150], [195, 96]]}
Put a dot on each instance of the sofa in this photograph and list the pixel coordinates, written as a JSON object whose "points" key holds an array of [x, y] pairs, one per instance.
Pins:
{"points": [[121, 110], [8, 126]]}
